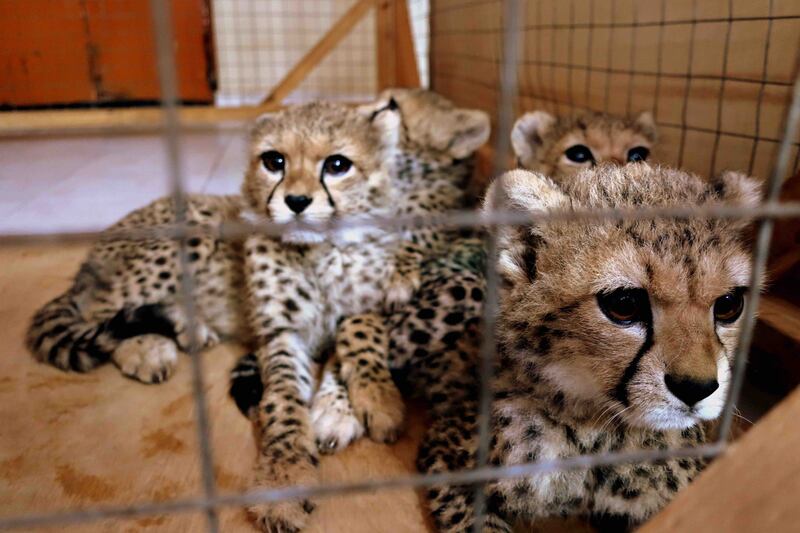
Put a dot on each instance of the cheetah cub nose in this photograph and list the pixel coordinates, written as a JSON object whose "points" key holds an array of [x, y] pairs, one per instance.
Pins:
{"points": [[297, 203], [688, 390]]}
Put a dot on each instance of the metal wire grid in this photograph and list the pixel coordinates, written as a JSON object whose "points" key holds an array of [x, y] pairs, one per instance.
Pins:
{"points": [[210, 501], [257, 43], [716, 74]]}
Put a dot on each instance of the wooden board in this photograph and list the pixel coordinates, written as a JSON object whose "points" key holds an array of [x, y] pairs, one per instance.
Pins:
{"points": [[138, 118], [95, 51], [397, 62]]}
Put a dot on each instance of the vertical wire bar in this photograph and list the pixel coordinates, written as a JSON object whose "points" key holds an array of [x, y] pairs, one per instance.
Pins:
{"points": [[539, 59], [779, 171], [513, 14], [571, 58], [764, 73], [609, 59], [688, 86], [162, 24], [554, 29], [721, 98], [589, 56], [659, 59], [632, 69]]}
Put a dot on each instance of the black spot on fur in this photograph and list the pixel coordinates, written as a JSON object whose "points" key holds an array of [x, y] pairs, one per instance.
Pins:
{"points": [[150, 319], [419, 336], [458, 292]]}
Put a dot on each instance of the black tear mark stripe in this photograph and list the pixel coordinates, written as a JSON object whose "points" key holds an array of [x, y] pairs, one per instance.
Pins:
{"points": [[325, 188], [621, 390], [275, 188]]}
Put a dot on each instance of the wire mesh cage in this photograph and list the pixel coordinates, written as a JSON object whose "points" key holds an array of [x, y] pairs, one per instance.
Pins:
{"points": [[721, 78]]}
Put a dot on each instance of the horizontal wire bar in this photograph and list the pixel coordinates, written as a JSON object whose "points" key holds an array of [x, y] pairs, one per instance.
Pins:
{"points": [[628, 72], [453, 220], [466, 477], [614, 25]]}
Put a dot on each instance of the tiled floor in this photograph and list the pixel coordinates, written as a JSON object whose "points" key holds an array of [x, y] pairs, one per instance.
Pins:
{"points": [[85, 183]]}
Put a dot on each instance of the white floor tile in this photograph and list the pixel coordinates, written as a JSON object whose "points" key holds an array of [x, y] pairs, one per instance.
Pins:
{"points": [[87, 183]]}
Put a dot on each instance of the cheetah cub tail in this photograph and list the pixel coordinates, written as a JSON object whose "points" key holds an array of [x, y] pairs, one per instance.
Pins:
{"points": [[67, 336]]}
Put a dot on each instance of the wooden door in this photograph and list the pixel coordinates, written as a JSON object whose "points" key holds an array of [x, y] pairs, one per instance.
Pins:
{"points": [[98, 52]]}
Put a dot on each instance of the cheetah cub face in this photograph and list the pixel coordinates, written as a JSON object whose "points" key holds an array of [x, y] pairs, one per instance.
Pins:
{"points": [[563, 146], [634, 320], [315, 162]]}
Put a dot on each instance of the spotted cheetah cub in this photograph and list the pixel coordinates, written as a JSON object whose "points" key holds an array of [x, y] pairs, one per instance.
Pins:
{"points": [[317, 163], [612, 336], [560, 147], [124, 303]]}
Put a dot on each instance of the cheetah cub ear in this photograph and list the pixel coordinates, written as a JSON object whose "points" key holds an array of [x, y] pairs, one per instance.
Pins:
{"points": [[527, 135], [528, 192], [472, 131], [739, 189], [384, 116], [647, 126]]}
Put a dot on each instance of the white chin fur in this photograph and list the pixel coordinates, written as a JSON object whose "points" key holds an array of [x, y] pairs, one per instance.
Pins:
{"points": [[302, 237], [353, 235], [664, 418], [711, 407]]}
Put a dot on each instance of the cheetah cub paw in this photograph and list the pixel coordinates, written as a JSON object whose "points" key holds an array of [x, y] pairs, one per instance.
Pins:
{"points": [[401, 288], [206, 337], [147, 358], [334, 422], [379, 406], [298, 468]]}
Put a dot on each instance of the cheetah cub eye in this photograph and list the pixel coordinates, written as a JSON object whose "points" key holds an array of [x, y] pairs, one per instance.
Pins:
{"points": [[336, 166], [273, 161], [637, 154], [625, 306], [580, 154], [728, 307]]}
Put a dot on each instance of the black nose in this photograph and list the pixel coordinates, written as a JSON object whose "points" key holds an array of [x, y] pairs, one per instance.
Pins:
{"points": [[297, 203], [688, 390]]}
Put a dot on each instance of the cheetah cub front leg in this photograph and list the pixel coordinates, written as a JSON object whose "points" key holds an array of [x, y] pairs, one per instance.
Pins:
{"points": [[362, 347], [405, 279], [332, 417]]}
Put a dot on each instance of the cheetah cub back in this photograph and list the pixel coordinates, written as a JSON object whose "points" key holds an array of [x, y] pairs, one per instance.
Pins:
{"points": [[560, 147]]}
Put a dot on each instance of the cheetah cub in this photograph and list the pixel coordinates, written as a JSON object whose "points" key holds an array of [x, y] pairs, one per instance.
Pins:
{"points": [[316, 163], [124, 304], [612, 336], [561, 147]]}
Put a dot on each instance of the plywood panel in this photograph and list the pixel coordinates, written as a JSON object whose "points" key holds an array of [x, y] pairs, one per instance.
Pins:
{"points": [[96, 51], [43, 53]]}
